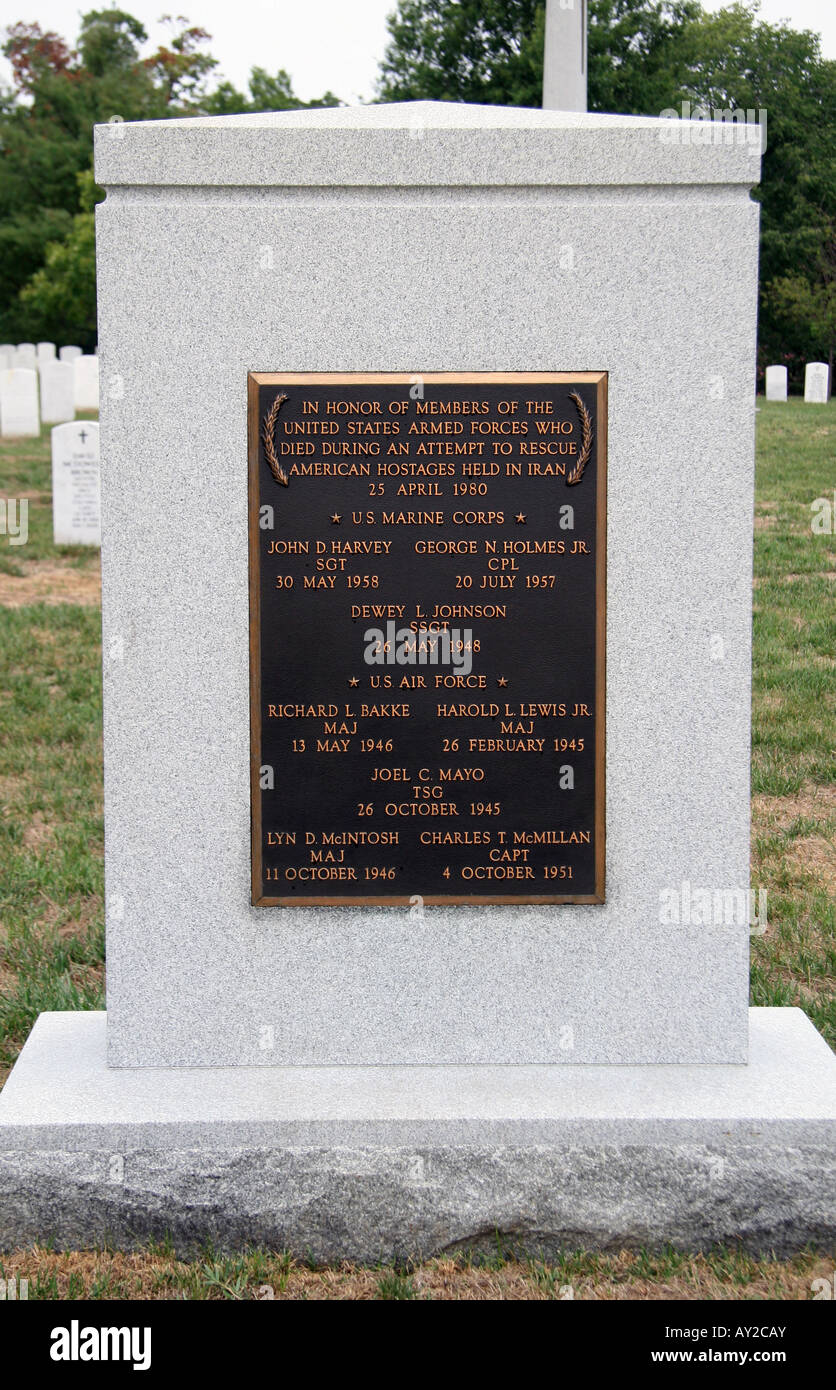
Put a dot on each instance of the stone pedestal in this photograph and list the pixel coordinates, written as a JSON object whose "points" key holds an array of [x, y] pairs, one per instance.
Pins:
{"points": [[371, 1082], [378, 1163], [419, 238]]}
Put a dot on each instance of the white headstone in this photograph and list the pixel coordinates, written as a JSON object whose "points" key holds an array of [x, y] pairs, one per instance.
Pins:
{"points": [[26, 356], [57, 392], [46, 352], [76, 515], [67, 354], [776, 383], [19, 402], [816, 382], [86, 383], [7, 359]]}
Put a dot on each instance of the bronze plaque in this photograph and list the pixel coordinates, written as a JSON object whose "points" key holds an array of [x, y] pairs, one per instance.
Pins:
{"points": [[427, 638]]}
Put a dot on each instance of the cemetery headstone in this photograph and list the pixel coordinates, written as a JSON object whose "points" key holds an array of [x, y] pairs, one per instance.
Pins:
{"points": [[57, 392], [26, 356], [816, 382], [776, 383], [46, 352], [19, 402], [68, 354], [7, 358], [76, 511], [86, 383], [356, 1004]]}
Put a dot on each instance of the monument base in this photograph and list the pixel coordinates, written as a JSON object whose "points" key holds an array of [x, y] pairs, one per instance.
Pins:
{"points": [[382, 1163]]}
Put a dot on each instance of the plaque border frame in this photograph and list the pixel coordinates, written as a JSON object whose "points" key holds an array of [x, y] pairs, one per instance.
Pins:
{"points": [[257, 379]]}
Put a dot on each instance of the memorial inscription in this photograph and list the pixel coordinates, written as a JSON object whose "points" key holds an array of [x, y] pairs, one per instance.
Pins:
{"points": [[427, 597]]}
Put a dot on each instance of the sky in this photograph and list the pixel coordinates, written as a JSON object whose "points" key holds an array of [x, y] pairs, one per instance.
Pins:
{"points": [[323, 44]]}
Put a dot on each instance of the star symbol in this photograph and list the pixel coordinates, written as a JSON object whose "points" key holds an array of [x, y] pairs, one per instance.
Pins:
{"points": [[501, 680], [353, 681], [336, 519], [520, 518]]}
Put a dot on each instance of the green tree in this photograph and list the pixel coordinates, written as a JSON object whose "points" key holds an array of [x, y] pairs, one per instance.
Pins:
{"points": [[483, 51], [638, 53], [46, 129], [46, 125], [740, 62], [267, 93], [59, 300], [180, 71], [24, 237], [646, 56], [491, 52], [802, 309], [109, 42]]}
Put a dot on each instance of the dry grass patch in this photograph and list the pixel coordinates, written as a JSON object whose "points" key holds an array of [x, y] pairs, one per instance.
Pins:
{"points": [[816, 856], [157, 1275], [38, 834], [51, 582], [12, 789], [810, 803]]}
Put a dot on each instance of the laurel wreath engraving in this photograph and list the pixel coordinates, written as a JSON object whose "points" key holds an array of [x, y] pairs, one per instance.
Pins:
{"points": [[268, 438], [586, 440]]}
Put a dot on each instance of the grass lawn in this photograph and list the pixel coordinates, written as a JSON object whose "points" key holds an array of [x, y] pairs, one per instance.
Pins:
{"points": [[794, 712], [51, 873]]}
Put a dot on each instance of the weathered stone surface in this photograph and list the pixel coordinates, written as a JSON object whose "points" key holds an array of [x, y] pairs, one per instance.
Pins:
{"points": [[381, 1163], [392, 1203]]}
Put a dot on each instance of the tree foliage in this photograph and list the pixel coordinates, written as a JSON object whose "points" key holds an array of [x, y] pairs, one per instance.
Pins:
{"points": [[47, 278], [59, 300], [647, 56], [483, 51], [741, 62], [644, 56], [491, 52]]}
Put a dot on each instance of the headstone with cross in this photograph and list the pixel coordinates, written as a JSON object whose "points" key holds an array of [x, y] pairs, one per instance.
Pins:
{"points": [[76, 517]]}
